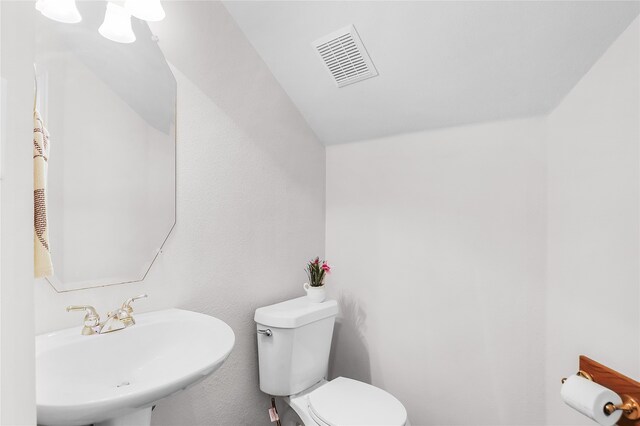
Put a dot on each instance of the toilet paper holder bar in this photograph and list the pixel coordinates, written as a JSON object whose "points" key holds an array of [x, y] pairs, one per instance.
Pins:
{"points": [[629, 406], [628, 389]]}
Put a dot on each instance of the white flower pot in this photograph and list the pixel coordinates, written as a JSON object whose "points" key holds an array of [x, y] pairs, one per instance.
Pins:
{"points": [[315, 294]]}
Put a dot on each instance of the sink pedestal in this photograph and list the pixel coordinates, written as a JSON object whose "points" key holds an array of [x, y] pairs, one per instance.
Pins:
{"points": [[137, 418]]}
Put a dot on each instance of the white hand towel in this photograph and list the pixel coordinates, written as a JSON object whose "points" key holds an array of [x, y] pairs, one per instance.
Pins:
{"points": [[42, 256]]}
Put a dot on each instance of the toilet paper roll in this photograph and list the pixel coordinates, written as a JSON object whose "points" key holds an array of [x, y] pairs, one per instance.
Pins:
{"points": [[589, 398]]}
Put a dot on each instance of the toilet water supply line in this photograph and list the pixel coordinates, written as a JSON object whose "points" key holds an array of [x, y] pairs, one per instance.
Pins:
{"points": [[273, 413]]}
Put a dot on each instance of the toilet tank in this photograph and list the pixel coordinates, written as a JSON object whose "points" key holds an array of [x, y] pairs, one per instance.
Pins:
{"points": [[295, 354]]}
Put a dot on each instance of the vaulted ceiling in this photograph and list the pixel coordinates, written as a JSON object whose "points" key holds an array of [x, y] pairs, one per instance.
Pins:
{"points": [[440, 64]]}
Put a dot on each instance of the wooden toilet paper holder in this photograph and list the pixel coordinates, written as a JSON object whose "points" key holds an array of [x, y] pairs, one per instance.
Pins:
{"points": [[628, 389]]}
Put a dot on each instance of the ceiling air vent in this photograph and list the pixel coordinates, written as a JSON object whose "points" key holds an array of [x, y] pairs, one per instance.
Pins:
{"points": [[345, 56]]}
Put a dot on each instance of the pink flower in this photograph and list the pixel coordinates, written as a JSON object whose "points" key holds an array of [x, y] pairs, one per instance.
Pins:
{"points": [[326, 267], [316, 261]]}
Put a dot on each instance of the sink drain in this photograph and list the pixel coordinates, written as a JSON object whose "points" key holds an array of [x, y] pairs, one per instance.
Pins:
{"points": [[123, 384]]}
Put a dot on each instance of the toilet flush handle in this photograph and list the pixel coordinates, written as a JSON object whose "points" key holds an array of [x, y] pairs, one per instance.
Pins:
{"points": [[267, 332]]}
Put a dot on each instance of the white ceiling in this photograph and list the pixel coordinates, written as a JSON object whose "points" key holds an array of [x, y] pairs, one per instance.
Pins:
{"points": [[440, 63]]}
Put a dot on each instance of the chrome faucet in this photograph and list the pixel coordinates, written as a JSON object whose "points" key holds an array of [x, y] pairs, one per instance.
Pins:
{"points": [[116, 320]]}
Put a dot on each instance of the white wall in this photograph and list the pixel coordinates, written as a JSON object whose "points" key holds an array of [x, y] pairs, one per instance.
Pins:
{"points": [[437, 242], [593, 257], [482, 261], [250, 209], [17, 390]]}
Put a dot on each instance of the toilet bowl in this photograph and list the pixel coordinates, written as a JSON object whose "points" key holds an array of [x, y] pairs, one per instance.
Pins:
{"points": [[294, 340], [344, 401]]}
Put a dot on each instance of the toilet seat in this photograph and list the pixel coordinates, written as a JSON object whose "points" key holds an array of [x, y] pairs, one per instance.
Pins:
{"points": [[348, 402]]}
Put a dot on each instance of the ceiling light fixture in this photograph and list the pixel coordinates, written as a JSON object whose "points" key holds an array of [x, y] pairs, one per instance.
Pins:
{"points": [[117, 24], [64, 11], [147, 10]]}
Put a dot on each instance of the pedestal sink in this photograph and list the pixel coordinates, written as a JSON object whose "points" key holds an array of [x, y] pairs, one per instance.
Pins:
{"points": [[114, 379]]}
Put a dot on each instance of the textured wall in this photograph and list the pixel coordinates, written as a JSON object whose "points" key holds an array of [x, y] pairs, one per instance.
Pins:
{"points": [[593, 257], [250, 209], [437, 242], [502, 248], [17, 392]]}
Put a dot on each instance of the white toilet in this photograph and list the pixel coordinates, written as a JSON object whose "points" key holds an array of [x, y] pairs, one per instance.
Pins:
{"points": [[294, 340]]}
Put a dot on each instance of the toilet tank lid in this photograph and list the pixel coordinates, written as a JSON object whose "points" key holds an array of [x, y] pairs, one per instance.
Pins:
{"points": [[295, 312]]}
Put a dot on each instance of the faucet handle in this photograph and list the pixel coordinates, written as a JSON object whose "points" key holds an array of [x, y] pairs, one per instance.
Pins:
{"points": [[91, 317], [90, 310], [127, 305], [124, 313]]}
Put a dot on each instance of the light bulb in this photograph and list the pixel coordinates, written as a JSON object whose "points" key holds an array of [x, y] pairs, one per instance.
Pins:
{"points": [[147, 10], [59, 10], [117, 24]]}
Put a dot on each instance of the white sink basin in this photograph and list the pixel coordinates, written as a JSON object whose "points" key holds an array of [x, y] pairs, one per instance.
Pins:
{"points": [[115, 378]]}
